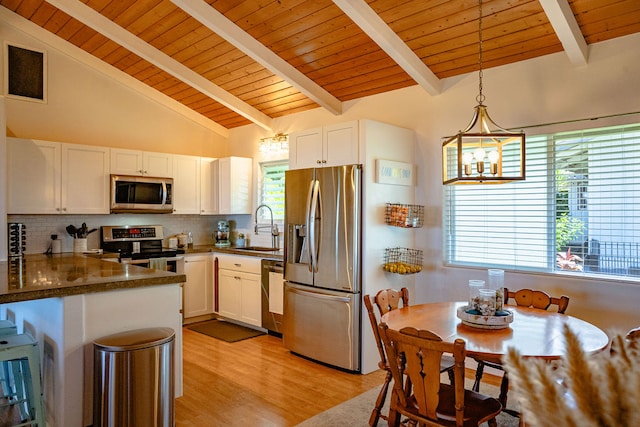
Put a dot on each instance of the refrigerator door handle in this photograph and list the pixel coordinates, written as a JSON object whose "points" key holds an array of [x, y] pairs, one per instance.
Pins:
{"points": [[304, 252], [311, 226], [320, 296]]}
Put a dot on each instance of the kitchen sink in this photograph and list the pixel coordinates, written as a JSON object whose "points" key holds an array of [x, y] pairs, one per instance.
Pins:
{"points": [[259, 248]]}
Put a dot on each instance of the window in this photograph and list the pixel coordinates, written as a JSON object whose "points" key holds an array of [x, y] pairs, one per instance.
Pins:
{"points": [[272, 189], [578, 209]]}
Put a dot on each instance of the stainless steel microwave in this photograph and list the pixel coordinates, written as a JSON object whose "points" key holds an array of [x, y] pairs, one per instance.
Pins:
{"points": [[141, 194]]}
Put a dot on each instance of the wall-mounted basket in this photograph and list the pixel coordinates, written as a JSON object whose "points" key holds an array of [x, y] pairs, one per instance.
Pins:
{"points": [[402, 260], [406, 216]]}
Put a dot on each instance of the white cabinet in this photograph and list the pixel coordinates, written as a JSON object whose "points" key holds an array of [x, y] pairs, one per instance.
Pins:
{"points": [[332, 145], [209, 204], [186, 184], [135, 162], [234, 185], [239, 288], [47, 177], [198, 289]]}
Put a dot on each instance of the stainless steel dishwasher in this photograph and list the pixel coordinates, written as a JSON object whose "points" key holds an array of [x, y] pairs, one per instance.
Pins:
{"points": [[272, 295]]}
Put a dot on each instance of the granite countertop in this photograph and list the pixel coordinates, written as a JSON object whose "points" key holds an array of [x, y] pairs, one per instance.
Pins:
{"points": [[52, 276], [199, 249]]}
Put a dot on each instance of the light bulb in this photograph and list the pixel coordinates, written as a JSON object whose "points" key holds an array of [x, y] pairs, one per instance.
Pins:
{"points": [[493, 156], [467, 158], [478, 154]]}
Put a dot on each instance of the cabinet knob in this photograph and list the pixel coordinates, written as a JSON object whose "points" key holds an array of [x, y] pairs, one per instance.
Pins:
{"points": [[324, 161], [58, 209], [64, 209], [238, 265], [236, 277], [318, 161]]}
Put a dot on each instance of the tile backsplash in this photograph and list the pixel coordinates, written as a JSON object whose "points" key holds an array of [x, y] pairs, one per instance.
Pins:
{"points": [[39, 228]]}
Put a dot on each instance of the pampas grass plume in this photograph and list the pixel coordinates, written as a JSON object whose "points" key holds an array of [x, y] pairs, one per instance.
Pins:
{"points": [[585, 391]]}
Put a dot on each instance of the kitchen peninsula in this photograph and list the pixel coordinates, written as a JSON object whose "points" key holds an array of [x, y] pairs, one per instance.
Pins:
{"points": [[66, 301]]}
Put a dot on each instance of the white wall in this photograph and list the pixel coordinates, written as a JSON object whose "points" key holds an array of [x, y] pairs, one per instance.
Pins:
{"points": [[538, 91], [92, 104]]}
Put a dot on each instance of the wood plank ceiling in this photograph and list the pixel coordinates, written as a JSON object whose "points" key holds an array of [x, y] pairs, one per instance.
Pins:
{"points": [[243, 61]]}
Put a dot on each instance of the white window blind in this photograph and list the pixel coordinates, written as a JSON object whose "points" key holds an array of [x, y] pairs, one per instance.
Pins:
{"points": [[272, 189], [578, 209]]}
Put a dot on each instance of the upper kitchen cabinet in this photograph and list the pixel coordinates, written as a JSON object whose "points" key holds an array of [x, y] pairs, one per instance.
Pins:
{"points": [[186, 184], [332, 145], [209, 204], [143, 163], [47, 177], [234, 175]]}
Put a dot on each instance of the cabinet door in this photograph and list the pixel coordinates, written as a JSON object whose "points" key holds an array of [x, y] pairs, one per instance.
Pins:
{"points": [[126, 162], [240, 179], [85, 179], [305, 149], [157, 164], [186, 185], [251, 299], [209, 204], [341, 144], [198, 289], [33, 176], [229, 294]]}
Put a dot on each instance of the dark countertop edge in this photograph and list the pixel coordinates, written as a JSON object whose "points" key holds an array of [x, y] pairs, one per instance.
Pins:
{"points": [[81, 289]]}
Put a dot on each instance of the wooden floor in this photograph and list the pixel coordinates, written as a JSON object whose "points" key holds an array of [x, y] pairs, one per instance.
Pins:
{"points": [[257, 382]]}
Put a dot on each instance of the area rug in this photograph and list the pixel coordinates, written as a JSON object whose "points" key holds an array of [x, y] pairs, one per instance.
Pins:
{"points": [[226, 331], [356, 412]]}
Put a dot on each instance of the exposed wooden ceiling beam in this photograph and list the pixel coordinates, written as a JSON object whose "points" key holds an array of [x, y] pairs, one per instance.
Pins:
{"points": [[369, 21], [219, 24], [567, 29], [98, 22]]}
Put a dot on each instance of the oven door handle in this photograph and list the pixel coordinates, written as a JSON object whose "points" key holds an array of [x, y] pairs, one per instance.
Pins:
{"points": [[134, 261]]}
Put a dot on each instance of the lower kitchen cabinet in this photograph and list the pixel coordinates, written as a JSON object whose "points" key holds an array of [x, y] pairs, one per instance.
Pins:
{"points": [[239, 295], [198, 289]]}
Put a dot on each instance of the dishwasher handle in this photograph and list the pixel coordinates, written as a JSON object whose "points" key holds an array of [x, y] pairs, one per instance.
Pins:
{"points": [[273, 266]]}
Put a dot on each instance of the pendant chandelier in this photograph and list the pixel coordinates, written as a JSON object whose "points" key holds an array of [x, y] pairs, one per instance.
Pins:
{"points": [[466, 154]]}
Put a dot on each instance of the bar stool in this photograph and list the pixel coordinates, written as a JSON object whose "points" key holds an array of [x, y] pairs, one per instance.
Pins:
{"points": [[21, 353]]}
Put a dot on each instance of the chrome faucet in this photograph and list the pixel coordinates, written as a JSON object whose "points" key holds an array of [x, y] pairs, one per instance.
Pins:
{"points": [[275, 233]]}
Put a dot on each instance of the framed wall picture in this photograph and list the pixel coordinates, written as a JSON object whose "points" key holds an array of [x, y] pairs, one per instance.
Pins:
{"points": [[25, 73]]}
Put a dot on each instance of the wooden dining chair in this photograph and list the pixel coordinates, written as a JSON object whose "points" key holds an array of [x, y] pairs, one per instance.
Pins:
{"points": [[387, 300], [417, 354], [525, 298]]}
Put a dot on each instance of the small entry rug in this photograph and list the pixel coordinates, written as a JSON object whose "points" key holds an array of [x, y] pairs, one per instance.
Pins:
{"points": [[226, 331]]}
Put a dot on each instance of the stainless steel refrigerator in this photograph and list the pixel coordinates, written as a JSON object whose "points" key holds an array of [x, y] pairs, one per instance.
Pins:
{"points": [[322, 271]]}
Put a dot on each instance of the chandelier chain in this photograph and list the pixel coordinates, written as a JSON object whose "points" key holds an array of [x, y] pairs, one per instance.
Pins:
{"points": [[480, 98]]}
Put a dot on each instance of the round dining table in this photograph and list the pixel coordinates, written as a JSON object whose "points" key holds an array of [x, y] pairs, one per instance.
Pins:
{"points": [[533, 332]]}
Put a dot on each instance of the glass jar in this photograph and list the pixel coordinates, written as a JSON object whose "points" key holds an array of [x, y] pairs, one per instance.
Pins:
{"points": [[474, 293], [496, 282], [487, 302]]}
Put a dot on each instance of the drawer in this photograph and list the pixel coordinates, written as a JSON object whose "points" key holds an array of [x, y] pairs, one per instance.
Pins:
{"points": [[248, 264]]}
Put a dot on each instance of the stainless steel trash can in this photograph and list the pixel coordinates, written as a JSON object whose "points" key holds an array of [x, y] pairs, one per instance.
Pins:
{"points": [[133, 380]]}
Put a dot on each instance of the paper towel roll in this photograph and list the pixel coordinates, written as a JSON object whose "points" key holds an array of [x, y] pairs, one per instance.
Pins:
{"points": [[56, 246]]}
